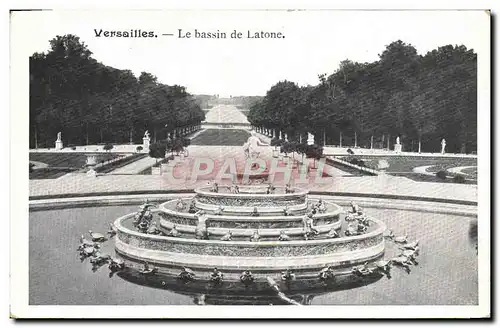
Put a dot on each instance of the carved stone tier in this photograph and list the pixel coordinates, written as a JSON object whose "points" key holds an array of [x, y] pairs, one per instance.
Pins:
{"points": [[271, 230], [263, 257], [244, 226], [246, 210]]}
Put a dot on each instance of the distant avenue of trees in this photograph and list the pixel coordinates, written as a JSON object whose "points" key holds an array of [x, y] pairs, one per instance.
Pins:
{"points": [[92, 103], [421, 99]]}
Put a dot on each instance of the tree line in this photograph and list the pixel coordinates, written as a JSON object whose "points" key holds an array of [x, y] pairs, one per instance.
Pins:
{"points": [[420, 98], [91, 103]]}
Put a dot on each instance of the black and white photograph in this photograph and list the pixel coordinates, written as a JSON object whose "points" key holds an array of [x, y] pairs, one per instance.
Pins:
{"points": [[295, 163]]}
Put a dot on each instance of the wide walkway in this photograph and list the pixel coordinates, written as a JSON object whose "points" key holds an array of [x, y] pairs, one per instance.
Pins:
{"points": [[384, 185]]}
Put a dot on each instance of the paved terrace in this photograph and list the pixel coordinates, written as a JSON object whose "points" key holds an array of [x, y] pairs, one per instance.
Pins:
{"points": [[339, 182]]}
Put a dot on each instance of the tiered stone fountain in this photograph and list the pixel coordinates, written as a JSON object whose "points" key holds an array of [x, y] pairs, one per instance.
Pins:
{"points": [[257, 230]]}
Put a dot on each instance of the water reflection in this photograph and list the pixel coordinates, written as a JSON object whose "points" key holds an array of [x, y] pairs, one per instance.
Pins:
{"points": [[258, 293]]}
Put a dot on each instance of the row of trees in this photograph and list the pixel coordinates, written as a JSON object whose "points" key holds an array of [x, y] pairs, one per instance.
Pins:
{"points": [[91, 103], [421, 99]]}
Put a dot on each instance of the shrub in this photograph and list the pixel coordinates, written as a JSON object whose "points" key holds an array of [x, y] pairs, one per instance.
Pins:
{"points": [[459, 178], [177, 145], [139, 148], [108, 147], [158, 150], [300, 148], [349, 151], [286, 147], [73, 148], [314, 151], [441, 174], [276, 142]]}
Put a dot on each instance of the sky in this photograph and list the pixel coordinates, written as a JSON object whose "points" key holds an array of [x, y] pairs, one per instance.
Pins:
{"points": [[315, 42]]}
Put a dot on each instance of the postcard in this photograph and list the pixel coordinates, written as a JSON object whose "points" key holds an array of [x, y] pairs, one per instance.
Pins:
{"points": [[287, 163]]}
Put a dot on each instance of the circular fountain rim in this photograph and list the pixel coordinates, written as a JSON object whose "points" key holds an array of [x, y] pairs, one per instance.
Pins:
{"points": [[297, 192]]}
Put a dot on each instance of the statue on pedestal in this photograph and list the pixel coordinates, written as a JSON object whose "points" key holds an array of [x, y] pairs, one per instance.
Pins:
{"points": [[59, 143], [146, 140], [397, 146], [310, 138], [443, 146], [201, 227]]}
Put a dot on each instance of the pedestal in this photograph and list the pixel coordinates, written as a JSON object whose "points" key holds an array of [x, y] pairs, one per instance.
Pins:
{"points": [[59, 145], [91, 159], [397, 148], [145, 143]]}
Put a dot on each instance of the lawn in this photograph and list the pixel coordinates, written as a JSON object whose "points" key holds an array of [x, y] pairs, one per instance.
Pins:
{"points": [[471, 172], [406, 164], [222, 137], [61, 163]]}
